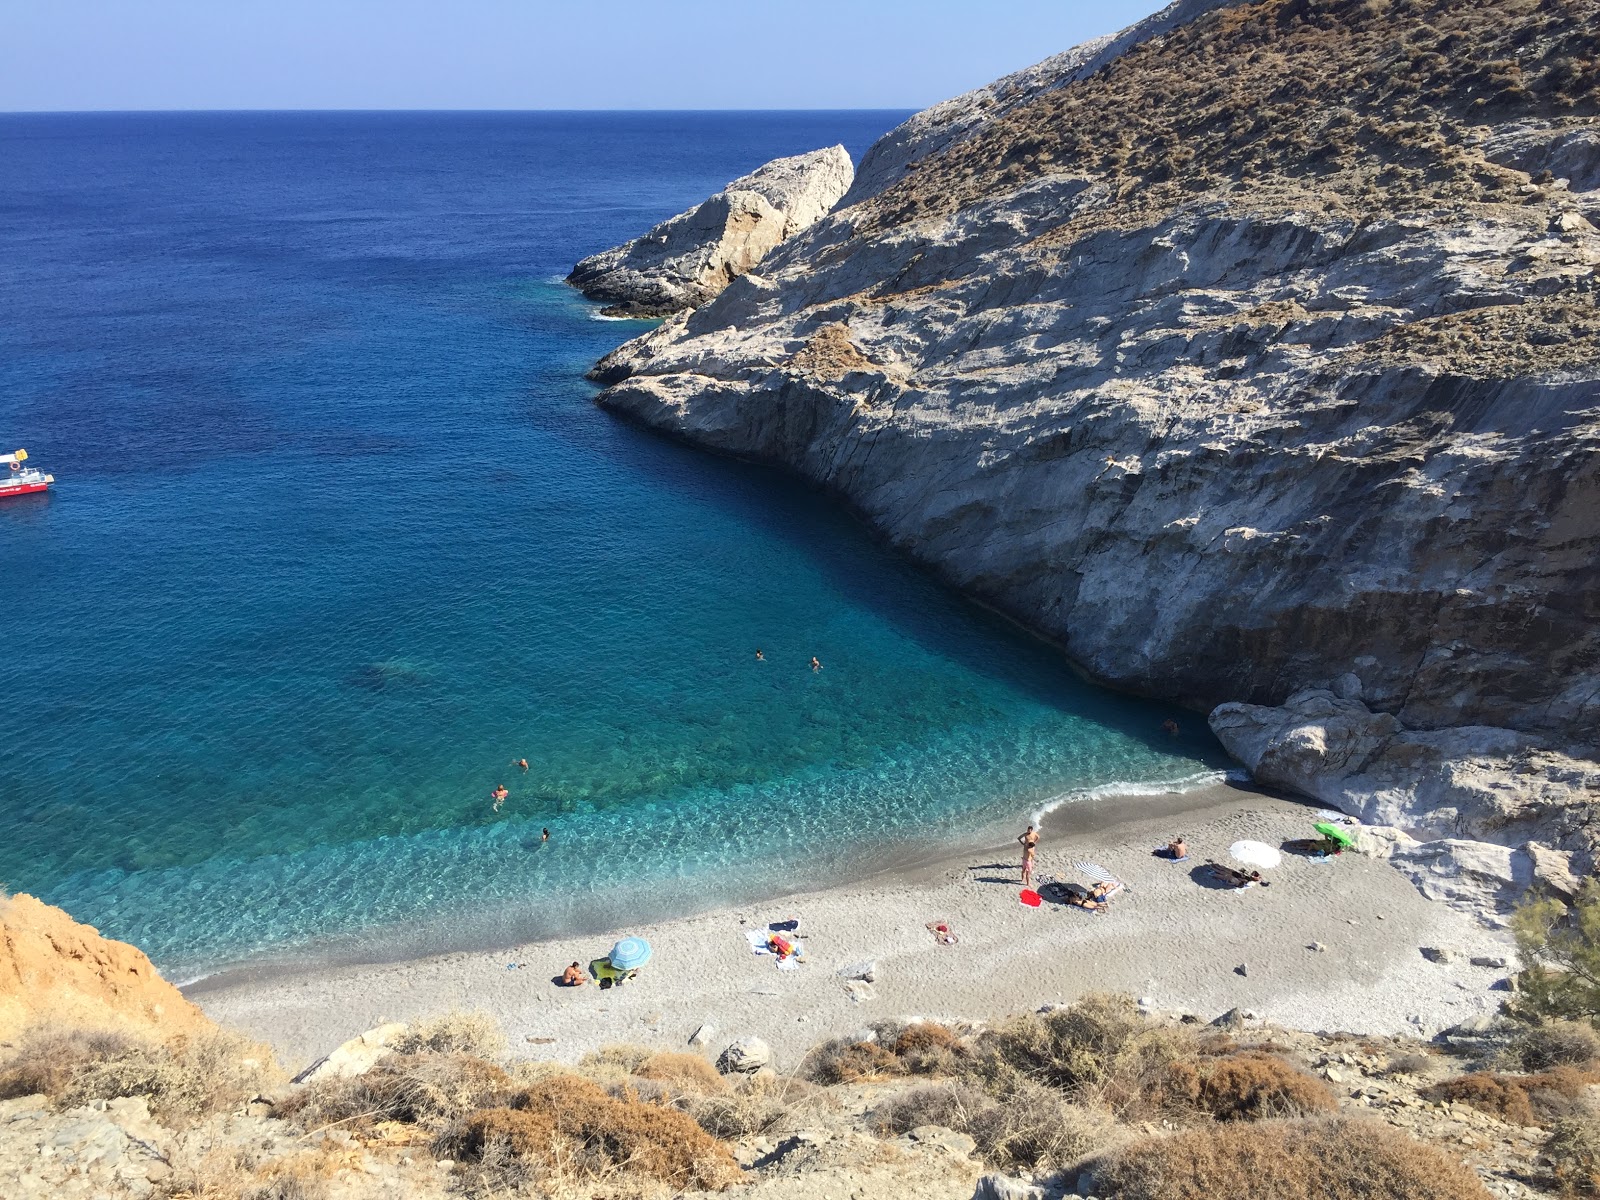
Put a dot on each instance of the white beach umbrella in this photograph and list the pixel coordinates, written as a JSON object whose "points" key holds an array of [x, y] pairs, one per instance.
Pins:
{"points": [[1095, 871], [1255, 854]]}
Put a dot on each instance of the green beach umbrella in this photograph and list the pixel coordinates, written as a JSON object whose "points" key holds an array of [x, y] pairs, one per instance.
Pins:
{"points": [[1334, 834]]}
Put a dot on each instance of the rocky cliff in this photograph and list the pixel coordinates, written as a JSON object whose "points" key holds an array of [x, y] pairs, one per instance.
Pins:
{"points": [[688, 259], [1262, 354], [56, 971]]}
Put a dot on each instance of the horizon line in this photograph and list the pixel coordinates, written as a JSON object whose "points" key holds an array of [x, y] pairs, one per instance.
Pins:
{"points": [[76, 112]]}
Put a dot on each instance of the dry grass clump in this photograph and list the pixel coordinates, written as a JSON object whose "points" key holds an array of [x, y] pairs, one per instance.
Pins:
{"points": [[184, 1079], [917, 1048], [1557, 1044], [1101, 1051], [1031, 1127], [418, 1089], [1572, 1154], [684, 1074], [840, 1060], [237, 1173], [1249, 1085], [475, 1034], [1309, 1159], [758, 1105], [1541, 1099], [571, 1125]]}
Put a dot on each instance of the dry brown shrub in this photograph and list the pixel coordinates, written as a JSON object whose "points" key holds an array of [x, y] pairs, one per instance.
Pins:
{"points": [[184, 1079], [417, 1089], [952, 1105], [1030, 1127], [1249, 1086], [925, 1048], [1572, 1154], [1556, 1044], [758, 1105], [684, 1074], [604, 1132], [46, 1058], [237, 1172], [840, 1060], [475, 1034], [1100, 1050], [1539, 1099], [1308, 1159]]}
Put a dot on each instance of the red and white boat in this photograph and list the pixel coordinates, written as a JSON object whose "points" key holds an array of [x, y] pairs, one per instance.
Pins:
{"points": [[18, 480]]}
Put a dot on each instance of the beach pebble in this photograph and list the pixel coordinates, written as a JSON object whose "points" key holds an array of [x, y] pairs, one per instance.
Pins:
{"points": [[1492, 961], [702, 1036], [866, 971], [1241, 969], [744, 1057], [1317, 946], [945, 1139], [1437, 954]]}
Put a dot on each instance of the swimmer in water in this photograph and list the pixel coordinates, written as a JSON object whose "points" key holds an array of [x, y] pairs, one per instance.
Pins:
{"points": [[816, 663], [523, 763], [760, 657], [499, 795], [1170, 726], [546, 836]]}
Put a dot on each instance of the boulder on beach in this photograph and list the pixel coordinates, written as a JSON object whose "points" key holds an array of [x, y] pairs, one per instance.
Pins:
{"points": [[744, 1057]]}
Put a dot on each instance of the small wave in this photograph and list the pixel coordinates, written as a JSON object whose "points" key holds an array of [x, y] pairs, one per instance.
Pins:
{"points": [[1185, 783]]}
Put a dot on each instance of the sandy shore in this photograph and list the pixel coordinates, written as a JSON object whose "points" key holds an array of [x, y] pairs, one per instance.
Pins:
{"points": [[1171, 938]]}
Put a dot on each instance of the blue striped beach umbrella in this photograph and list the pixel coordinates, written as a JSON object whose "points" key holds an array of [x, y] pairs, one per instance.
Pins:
{"points": [[629, 953]]}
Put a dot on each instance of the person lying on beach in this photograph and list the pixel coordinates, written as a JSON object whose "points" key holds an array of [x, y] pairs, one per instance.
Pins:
{"points": [[608, 975], [1236, 879], [573, 976], [1102, 893], [1078, 898]]}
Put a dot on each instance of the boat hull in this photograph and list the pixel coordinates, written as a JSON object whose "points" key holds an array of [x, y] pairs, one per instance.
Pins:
{"points": [[21, 489]]}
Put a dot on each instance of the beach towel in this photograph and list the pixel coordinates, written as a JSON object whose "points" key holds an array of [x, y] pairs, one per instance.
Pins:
{"points": [[758, 945], [1031, 898]]}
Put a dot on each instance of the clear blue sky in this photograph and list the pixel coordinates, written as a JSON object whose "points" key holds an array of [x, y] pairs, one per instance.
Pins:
{"points": [[132, 54]]}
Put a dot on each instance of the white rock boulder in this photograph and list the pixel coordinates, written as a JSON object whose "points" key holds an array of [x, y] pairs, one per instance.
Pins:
{"points": [[688, 259]]}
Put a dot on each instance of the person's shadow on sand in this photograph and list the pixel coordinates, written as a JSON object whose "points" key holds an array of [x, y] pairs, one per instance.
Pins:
{"points": [[1010, 880]]}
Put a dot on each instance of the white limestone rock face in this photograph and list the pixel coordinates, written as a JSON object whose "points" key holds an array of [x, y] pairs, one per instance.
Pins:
{"points": [[1473, 815], [1221, 443], [688, 259]]}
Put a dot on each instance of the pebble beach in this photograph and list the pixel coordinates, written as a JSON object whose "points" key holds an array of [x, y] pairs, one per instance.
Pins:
{"points": [[1335, 945]]}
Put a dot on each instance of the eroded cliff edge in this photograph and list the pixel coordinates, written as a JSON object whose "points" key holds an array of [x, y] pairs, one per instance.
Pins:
{"points": [[1263, 355]]}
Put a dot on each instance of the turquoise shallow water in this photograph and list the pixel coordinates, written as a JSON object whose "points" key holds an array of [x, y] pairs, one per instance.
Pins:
{"points": [[340, 534]]}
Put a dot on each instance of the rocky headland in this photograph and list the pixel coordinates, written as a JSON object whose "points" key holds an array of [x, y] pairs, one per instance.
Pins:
{"points": [[688, 259], [1251, 355]]}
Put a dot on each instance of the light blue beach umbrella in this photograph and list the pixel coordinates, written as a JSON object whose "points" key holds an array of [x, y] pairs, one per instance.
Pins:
{"points": [[629, 953]]}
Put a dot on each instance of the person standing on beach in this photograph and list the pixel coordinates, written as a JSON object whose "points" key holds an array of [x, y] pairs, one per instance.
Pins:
{"points": [[1029, 838]]}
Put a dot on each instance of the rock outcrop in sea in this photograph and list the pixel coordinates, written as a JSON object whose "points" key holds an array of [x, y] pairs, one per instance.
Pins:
{"points": [[1238, 356], [688, 259]]}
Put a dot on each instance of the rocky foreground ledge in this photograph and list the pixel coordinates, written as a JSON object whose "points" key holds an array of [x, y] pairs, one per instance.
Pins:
{"points": [[690, 258], [1262, 353]]}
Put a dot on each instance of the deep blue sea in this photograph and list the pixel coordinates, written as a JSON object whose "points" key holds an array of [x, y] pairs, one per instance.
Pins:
{"points": [[339, 535]]}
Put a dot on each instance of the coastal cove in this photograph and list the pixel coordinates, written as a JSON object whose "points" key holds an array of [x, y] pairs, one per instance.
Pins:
{"points": [[340, 536]]}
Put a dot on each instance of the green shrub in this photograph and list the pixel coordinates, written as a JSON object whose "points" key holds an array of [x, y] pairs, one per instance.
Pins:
{"points": [[1560, 944]]}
